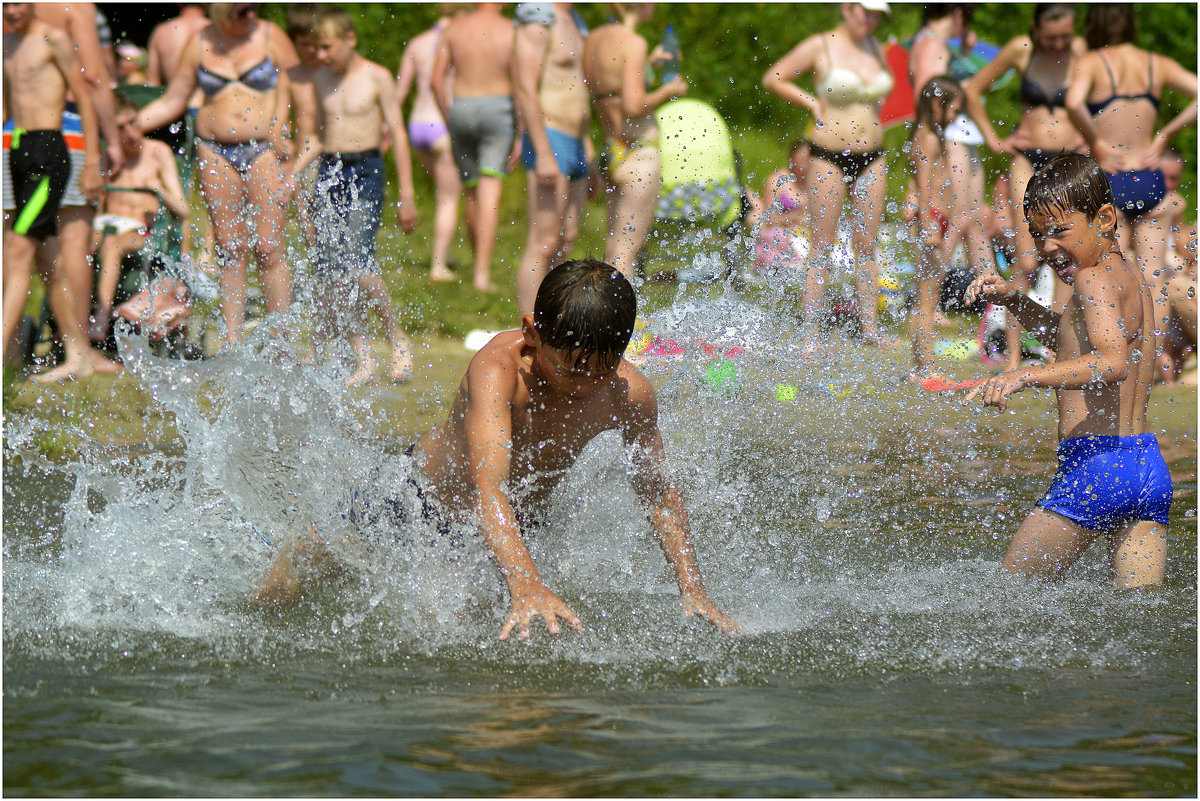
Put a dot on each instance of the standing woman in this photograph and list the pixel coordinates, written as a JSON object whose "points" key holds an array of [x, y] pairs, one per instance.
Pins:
{"points": [[845, 149], [1045, 59], [430, 140], [240, 64], [614, 62], [1113, 100]]}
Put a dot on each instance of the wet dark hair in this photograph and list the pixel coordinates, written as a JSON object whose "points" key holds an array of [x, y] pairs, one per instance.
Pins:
{"points": [[1050, 12], [1110, 24], [586, 308], [937, 93], [1070, 182], [933, 11]]}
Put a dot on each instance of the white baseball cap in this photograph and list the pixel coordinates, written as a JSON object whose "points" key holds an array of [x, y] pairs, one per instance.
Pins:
{"points": [[876, 5]]}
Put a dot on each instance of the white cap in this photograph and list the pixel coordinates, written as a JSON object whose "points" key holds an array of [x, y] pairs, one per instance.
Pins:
{"points": [[876, 5]]}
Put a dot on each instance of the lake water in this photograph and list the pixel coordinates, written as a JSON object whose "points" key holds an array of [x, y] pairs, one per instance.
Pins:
{"points": [[854, 531]]}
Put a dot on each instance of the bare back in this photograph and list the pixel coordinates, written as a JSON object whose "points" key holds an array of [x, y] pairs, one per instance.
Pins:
{"points": [[480, 44], [419, 59], [610, 56], [1117, 409], [1138, 76]]}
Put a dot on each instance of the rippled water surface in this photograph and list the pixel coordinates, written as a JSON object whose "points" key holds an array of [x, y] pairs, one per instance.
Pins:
{"points": [[854, 531]]}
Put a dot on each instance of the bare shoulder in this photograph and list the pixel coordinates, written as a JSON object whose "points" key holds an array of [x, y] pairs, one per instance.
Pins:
{"points": [[498, 360], [639, 391]]}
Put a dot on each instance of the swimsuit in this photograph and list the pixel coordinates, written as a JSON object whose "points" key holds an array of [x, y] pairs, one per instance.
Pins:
{"points": [[1136, 191], [72, 131], [1104, 482], [424, 135], [403, 506], [240, 155], [1033, 94], [117, 224], [568, 153], [851, 164], [616, 153], [262, 77], [347, 210], [40, 168], [481, 136], [843, 87]]}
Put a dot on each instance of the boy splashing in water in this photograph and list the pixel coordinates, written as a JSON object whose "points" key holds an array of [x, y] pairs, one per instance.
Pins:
{"points": [[529, 403], [1111, 478]]}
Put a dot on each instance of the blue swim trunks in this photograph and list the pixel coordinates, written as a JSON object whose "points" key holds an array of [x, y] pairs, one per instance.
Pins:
{"points": [[1105, 482], [568, 152]]}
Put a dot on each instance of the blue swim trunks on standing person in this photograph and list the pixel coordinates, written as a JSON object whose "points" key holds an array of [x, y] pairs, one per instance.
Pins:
{"points": [[1106, 481], [568, 153], [347, 209]]}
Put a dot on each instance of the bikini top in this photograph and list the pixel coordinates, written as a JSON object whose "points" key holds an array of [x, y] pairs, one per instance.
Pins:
{"points": [[842, 86], [262, 77], [787, 202], [1034, 94], [1096, 108]]}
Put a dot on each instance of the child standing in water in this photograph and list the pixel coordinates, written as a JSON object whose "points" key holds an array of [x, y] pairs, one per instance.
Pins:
{"points": [[529, 403], [1111, 477], [357, 99], [939, 103]]}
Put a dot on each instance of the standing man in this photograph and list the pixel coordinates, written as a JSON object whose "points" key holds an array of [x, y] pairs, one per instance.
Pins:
{"points": [[478, 46], [557, 151]]}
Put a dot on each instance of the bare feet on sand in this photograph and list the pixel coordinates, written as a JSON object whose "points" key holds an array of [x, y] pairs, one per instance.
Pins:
{"points": [[92, 362]]}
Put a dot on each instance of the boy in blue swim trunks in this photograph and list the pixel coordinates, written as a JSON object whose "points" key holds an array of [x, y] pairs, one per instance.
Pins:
{"points": [[1111, 477]]}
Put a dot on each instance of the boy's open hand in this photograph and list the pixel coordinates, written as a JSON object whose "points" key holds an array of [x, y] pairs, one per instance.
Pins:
{"points": [[702, 606], [535, 602], [990, 287]]}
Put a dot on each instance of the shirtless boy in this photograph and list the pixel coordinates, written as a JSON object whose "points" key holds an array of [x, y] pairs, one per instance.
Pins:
{"points": [[356, 99], [1111, 478], [149, 165], [554, 107], [478, 46], [39, 68], [529, 403]]}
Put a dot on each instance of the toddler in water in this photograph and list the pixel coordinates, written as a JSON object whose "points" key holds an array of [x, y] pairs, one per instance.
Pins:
{"points": [[939, 104], [1111, 477], [531, 400]]}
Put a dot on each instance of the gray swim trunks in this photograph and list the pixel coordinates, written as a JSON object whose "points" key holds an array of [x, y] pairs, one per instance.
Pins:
{"points": [[481, 135]]}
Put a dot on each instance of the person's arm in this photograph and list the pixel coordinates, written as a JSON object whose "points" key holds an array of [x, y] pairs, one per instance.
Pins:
{"points": [[532, 44], [780, 78], [173, 102], [407, 75], [1008, 58], [283, 53], [91, 183], [635, 100], [393, 120], [441, 69], [307, 113], [488, 425], [97, 79], [154, 72], [1106, 362], [1040, 322], [665, 508], [170, 187], [1182, 81]]}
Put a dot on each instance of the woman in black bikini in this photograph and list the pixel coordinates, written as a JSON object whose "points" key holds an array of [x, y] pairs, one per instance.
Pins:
{"points": [[1113, 100], [240, 64], [1045, 59], [846, 148]]}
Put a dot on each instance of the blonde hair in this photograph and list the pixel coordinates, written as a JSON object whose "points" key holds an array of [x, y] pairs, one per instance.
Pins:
{"points": [[334, 20]]}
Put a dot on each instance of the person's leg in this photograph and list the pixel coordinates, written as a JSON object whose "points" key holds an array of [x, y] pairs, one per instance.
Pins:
{"points": [[447, 188], [543, 245], [1046, 545], [631, 215], [487, 219], [375, 296], [225, 198], [19, 253], [870, 194], [1138, 552], [930, 275], [829, 189], [75, 246], [264, 184], [112, 251]]}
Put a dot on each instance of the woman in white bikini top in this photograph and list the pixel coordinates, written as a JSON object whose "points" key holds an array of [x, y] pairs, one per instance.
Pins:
{"points": [[851, 80]]}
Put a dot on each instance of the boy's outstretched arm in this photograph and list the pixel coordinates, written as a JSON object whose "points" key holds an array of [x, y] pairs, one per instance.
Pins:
{"points": [[1035, 318], [488, 426], [669, 518]]}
